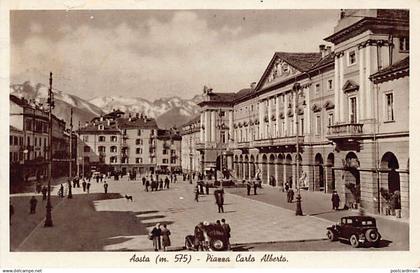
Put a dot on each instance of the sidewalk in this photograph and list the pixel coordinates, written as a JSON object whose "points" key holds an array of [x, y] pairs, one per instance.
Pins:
{"points": [[96, 222], [318, 204]]}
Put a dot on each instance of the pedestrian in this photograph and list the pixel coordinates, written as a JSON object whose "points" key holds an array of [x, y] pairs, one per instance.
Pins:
{"points": [[105, 187], [248, 187], [290, 194], [335, 199], [147, 183], [84, 185], [97, 178], [272, 181], [143, 180], [70, 195], [88, 187], [11, 212], [218, 223], [32, 204], [226, 228], [286, 186], [44, 193], [174, 178], [38, 187], [207, 188], [154, 185], [196, 193], [193, 175], [167, 182], [218, 194], [201, 188], [74, 182], [155, 235], [160, 184], [255, 184], [166, 240], [61, 191], [199, 236]]}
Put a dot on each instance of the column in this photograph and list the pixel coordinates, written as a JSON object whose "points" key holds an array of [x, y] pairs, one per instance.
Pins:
{"points": [[231, 124], [336, 90], [362, 90], [213, 126], [206, 126], [368, 83], [307, 110], [286, 117], [201, 127], [277, 133], [261, 118], [342, 102], [270, 125], [295, 117]]}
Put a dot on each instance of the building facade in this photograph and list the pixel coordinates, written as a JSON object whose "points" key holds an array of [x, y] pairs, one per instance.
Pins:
{"points": [[322, 121], [190, 156]]}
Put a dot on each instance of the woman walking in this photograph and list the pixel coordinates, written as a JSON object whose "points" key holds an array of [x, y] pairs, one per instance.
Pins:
{"points": [[166, 241]]}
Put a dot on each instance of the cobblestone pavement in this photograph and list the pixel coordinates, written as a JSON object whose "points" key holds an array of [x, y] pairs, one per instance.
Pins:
{"points": [[98, 222]]}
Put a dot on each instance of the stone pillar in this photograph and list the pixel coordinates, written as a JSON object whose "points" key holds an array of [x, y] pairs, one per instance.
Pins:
{"points": [[293, 126], [270, 123], [337, 90], [201, 127], [213, 126], [368, 84], [231, 124], [286, 117], [307, 111], [277, 133], [261, 119], [206, 126], [342, 102], [362, 90]]}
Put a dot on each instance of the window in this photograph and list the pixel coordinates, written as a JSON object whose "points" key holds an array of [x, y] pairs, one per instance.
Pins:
{"points": [[318, 125], [330, 84], [15, 140], [165, 152], [113, 138], [36, 142], [139, 142], [28, 141], [302, 126], [139, 132], [86, 149], [317, 88], [138, 151], [28, 125], [152, 132], [139, 160], [351, 57], [330, 119], [21, 141], [353, 110], [404, 44], [101, 149], [173, 161], [389, 104], [165, 161], [85, 138], [113, 159], [222, 113], [113, 149], [100, 127], [11, 140], [101, 138]]}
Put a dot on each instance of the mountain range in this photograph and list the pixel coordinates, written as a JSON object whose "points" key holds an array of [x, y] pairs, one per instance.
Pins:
{"points": [[168, 112]]}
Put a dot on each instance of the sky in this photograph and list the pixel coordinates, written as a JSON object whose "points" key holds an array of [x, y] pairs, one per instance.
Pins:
{"points": [[157, 53]]}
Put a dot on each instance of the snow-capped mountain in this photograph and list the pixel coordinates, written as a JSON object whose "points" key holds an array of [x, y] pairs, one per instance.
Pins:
{"points": [[168, 112], [82, 110]]}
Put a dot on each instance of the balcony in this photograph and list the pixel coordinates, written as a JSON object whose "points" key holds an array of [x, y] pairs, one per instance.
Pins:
{"points": [[281, 141], [348, 130]]}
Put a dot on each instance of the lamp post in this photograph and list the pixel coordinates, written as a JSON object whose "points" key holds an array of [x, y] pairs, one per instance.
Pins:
{"points": [[296, 89], [48, 217]]}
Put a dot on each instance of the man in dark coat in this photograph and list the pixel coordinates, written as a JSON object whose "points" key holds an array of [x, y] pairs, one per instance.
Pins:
{"points": [[84, 185], [255, 187], [32, 204], [143, 180], [335, 199], [88, 187], [218, 194], [44, 193], [106, 187], [167, 182], [147, 184], [226, 228], [248, 187], [207, 188], [196, 193]]}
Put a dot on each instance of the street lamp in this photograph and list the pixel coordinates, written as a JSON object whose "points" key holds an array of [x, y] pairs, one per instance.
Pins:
{"points": [[48, 217], [296, 88]]}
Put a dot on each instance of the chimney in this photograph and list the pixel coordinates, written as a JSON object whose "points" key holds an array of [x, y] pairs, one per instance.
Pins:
{"points": [[253, 85], [322, 50]]}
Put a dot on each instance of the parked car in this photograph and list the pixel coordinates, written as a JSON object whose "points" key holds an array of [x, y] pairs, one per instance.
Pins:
{"points": [[215, 239], [358, 230]]}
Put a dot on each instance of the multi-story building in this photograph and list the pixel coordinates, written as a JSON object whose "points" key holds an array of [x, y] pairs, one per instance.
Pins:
{"points": [[190, 156], [322, 121], [126, 143]]}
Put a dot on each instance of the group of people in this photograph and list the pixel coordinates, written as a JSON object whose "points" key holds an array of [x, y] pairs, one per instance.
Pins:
{"points": [[160, 236], [155, 184], [252, 184], [199, 189]]}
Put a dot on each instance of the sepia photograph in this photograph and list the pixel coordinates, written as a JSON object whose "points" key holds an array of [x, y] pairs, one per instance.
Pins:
{"points": [[207, 130]]}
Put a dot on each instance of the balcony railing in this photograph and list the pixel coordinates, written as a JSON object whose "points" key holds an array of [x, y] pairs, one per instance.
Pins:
{"points": [[289, 140], [348, 130]]}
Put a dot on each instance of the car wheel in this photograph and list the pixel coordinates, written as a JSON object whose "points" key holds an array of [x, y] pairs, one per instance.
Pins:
{"points": [[354, 241], [372, 235], [331, 236], [217, 244]]}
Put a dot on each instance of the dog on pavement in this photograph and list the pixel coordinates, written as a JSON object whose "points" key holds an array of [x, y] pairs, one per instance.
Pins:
{"points": [[129, 197]]}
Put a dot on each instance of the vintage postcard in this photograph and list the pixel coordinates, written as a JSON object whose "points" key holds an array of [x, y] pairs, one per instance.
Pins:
{"points": [[208, 134]]}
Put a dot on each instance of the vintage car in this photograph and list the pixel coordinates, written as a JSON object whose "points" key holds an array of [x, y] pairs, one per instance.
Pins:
{"points": [[358, 230], [215, 238]]}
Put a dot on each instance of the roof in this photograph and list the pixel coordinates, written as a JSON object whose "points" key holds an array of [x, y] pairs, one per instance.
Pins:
{"points": [[243, 93], [93, 128], [324, 61], [394, 71], [168, 134], [219, 98], [301, 61], [18, 101], [192, 121], [136, 123], [14, 129], [360, 217]]}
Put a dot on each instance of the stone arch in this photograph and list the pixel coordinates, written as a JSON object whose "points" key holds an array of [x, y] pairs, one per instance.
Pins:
{"points": [[280, 170], [390, 177], [246, 167], [351, 180], [236, 166], [330, 173], [241, 166], [252, 167], [289, 170], [264, 168], [319, 177], [271, 170]]}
